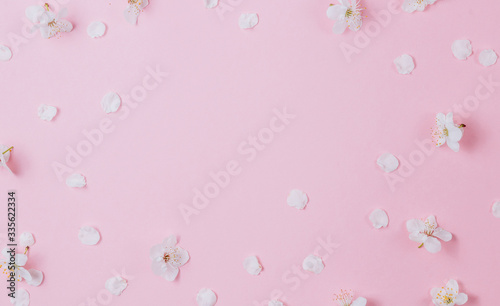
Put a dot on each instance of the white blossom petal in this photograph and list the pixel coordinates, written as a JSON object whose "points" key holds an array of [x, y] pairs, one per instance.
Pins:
{"points": [[170, 241], [22, 298], [336, 12], [76, 180], [432, 245], [248, 20], [297, 198], [21, 259], [415, 225], [116, 285], [26, 239], [34, 12], [110, 102], [388, 162], [36, 277], [252, 265], [379, 218], [5, 53], [442, 234], [339, 27], [89, 235], [170, 273], [275, 303], [404, 64], [206, 297], [211, 3], [461, 299], [96, 29], [46, 112], [452, 286], [461, 48], [313, 263], [360, 301], [488, 57], [495, 209]]}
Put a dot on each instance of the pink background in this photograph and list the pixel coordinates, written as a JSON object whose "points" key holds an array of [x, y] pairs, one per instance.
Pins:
{"points": [[223, 85]]}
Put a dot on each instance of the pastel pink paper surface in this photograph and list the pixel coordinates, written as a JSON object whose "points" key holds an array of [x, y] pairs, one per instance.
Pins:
{"points": [[223, 86]]}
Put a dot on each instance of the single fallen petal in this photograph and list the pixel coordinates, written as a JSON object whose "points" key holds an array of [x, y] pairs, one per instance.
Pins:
{"points": [[388, 162], [36, 278], [116, 285], [211, 3], [313, 263], [26, 239], [488, 57], [496, 209], [5, 53], [275, 303], [76, 180], [461, 48], [206, 297], [47, 112], [404, 64], [379, 218], [96, 29], [248, 20], [297, 198], [89, 235], [110, 102], [252, 265], [22, 298]]}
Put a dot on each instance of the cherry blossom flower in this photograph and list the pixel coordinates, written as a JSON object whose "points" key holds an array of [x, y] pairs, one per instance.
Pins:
{"points": [[33, 277], [427, 233], [447, 131], [5, 156], [167, 258], [411, 6], [448, 295], [346, 14], [133, 10], [344, 298], [49, 23]]}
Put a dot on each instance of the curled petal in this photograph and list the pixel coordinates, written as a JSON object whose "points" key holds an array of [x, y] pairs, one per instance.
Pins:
{"points": [[36, 277]]}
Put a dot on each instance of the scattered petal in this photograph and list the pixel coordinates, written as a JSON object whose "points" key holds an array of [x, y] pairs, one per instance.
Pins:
{"points": [[496, 209], [488, 57], [404, 64], [116, 285], [248, 21], [379, 218], [22, 298], [96, 29], [252, 265], [26, 239], [211, 3], [313, 263], [275, 303], [461, 48], [5, 53], [297, 198], [76, 180], [206, 297], [110, 102], [36, 277], [388, 162], [47, 112], [89, 235]]}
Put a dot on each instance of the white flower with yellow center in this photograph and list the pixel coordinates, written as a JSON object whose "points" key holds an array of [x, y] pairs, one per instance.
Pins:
{"points": [[133, 10], [167, 257], [411, 6], [33, 277], [427, 233], [49, 23], [346, 14], [448, 295], [446, 131], [345, 298]]}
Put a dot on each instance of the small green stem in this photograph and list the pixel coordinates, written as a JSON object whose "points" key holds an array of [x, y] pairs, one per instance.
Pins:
{"points": [[462, 125], [9, 149], [421, 245]]}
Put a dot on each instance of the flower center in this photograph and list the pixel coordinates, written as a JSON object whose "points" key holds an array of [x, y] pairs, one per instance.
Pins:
{"points": [[445, 132], [348, 13], [171, 256], [344, 298]]}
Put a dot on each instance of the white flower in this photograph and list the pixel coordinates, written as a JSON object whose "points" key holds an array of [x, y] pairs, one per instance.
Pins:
{"points": [[427, 233], [206, 297], [89, 235], [33, 277], [252, 265], [116, 285], [346, 14], [344, 298], [5, 156], [379, 218], [297, 198], [448, 295], [416, 5], [49, 23], [26, 239], [22, 298], [447, 131], [313, 263], [167, 258], [133, 10]]}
